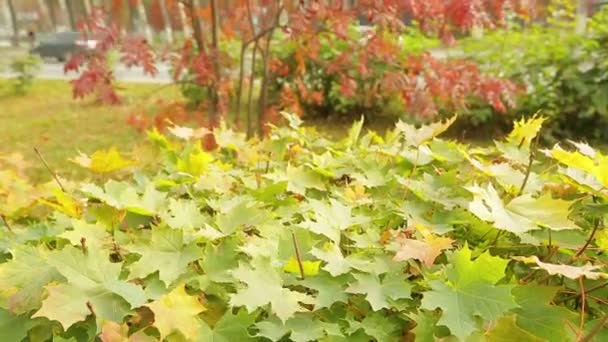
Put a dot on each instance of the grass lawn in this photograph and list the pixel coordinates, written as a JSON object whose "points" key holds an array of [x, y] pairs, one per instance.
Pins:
{"points": [[49, 119]]}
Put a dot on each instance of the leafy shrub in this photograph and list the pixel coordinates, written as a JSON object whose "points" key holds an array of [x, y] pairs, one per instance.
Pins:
{"points": [[25, 68], [405, 236], [378, 72], [564, 75]]}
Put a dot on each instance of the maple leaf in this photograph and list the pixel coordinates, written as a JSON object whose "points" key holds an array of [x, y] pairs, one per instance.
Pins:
{"points": [[13, 328], [417, 136], [93, 234], [230, 327], [166, 253], [121, 195], [299, 179], [523, 213], [571, 272], [506, 330], [103, 161], [331, 218], [23, 277], [177, 311], [596, 165], [425, 251], [392, 286], [310, 268], [539, 317], [114, 332], [329, 289], [93, 286], [471, 293], [264, 286], [336, 264]]}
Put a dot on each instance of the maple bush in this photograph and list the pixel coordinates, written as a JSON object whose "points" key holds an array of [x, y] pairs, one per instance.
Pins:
{"points": [[293, 237], [233, 66]]}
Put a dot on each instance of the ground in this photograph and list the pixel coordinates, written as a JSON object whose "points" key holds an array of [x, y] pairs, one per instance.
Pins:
{"points": [[49, 119]]}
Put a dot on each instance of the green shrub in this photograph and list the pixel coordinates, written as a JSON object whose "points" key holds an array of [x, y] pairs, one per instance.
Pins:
{"points": [[25, 68], [297, 238], [562, 74]]}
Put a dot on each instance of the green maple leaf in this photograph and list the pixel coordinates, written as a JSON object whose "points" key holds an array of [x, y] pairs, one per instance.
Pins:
{"points": [[540, 318], [218, 260], [229, 328], [471, 292], [461, 306], [264, 286], [299, 179], [329, 290], [183, 214], [379, 326], [301, 328], [505, 330], [336, 264], [245, 213], [177, 311], [523, 213], [24, 277], [93, 286], [463, 270], [166, 253], [330, 219], [94, 234], [13, 328], [377, 292], [544, 211], [123, 196]]}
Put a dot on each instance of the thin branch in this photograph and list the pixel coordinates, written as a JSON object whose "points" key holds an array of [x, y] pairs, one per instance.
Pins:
{"points": [[591, 236], [575, 295], [596, 330], [583, 303], [298, 257], [49, 169], [8, 226]]}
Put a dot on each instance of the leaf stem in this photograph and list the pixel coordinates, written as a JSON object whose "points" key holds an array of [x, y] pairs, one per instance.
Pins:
{"points": [[8, 226], [591, 236], [298, 257], [49, 169], [529, 166], [583, 302]]}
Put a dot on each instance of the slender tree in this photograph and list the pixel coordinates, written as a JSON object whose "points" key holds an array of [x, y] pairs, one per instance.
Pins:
{"points": [[71, 15], [14, 22], [166, 21]]}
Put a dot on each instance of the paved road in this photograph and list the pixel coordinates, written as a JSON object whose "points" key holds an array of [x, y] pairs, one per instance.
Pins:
{"points": [[54, 71]]}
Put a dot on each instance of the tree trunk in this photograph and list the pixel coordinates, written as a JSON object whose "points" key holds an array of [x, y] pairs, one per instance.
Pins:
{"points": [[184, 19], [143, 17], [581, 16], [71, 15], [51, 11], [166, 21], [216, 62], [87, 6], [14, 21]]}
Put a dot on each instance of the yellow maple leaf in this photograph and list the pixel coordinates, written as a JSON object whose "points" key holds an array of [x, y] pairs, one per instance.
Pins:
{"points": [[177, 311]]}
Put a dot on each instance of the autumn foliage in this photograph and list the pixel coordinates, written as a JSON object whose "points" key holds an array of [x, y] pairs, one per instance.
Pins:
{"points": [[367, 71]]}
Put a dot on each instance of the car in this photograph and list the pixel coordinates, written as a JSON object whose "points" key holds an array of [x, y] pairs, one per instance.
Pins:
{"points": [[62, 45]]}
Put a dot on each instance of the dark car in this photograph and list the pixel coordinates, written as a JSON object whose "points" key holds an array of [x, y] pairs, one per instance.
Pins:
{"points": [[62, 45]]}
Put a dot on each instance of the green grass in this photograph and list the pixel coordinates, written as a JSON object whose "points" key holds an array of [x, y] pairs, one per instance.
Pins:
{"points": [[49, 119]]}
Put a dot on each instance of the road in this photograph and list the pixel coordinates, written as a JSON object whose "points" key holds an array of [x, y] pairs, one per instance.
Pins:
{"points": [[54, 71]]}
